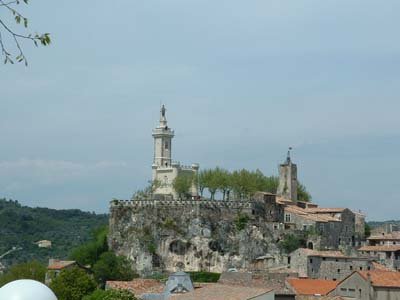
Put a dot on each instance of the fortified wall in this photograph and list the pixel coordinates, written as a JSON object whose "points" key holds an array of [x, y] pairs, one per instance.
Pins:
{"points": [[190, 235]]}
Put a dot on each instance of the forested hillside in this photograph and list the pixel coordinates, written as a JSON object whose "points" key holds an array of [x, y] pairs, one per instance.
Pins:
{"points": [[22, 226]]}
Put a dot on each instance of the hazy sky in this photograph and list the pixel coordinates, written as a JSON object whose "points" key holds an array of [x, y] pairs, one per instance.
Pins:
{"points": [[242, 81]]}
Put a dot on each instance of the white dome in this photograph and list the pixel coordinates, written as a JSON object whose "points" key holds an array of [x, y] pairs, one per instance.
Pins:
{"points": [[26, 289]]}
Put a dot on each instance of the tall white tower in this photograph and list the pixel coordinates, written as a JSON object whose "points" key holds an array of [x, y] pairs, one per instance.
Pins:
{"points": [[162, 135]]}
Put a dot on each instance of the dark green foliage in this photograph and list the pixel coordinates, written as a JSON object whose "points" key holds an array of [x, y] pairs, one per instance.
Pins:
{"points": [[182, 184], [302, 194], [110, 295], [367, 230], [241, 221], [112, 267], [31, 270], [73, 284], [22, 226], [291, 242], [204, 276], [89, 253]]}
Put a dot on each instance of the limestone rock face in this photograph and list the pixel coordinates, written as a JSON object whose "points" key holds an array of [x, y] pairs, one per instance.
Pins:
{"points": [[171, 237]]}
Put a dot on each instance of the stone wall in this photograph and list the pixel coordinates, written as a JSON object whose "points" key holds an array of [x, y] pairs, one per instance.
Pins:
{"points": [[335, 268]]}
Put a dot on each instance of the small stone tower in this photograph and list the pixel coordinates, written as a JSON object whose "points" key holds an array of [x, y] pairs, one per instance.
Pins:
{"points": [[287, 187], [162, 142]]}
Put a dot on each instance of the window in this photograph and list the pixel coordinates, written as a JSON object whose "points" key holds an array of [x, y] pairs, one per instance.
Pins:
{"points": [[310, 260], [338, 270], [287, 218], [360, 268], [351, 268], [343, 290], [166, 145]]}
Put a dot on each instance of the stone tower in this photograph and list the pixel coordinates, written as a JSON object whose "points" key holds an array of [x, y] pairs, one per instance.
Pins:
{"points": [[287, 187], [162, 142], [164, 169]]}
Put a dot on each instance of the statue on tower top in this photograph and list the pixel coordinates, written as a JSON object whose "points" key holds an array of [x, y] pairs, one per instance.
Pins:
{"points": [[163, 111], [288, 160], [163, 119]]}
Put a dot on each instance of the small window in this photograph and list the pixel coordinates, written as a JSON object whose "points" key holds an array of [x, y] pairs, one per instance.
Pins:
{"points": [[360, 268], [287, 218], [310, 260], [166, 146], [338, 270], [343, 290], [351, 268]]}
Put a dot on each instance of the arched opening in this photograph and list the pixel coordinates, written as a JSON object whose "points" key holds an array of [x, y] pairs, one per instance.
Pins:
{"points": [[310, 245]]}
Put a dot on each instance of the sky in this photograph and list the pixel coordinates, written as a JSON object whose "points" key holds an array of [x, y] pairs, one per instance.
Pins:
{"points": [[242, 81]]}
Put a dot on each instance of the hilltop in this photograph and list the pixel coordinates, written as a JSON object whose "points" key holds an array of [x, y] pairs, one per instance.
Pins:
{"points": [[22, 226]]}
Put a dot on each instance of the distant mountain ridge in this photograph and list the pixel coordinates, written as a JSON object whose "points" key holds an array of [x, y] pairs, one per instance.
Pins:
{"points": [[22, 226]]}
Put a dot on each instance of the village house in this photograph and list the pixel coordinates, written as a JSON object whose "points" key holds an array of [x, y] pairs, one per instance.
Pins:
{"points": [[55, 267], [43, 244], [370, 285], [388, 255], [327, 265]]}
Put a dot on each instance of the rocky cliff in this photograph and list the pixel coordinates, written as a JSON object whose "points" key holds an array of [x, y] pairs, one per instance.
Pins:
{"points": [[190, 235]]}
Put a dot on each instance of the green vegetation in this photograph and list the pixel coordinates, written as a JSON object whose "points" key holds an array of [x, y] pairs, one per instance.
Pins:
{"points": [[22, 226], [204, 276], [110, 295], [148, 191], [112, 267], [31, 270], [243, 183], [73, 284], [182, 184], [302, 193], [105, 265], [241, 221], [367, 229], [89, 253], [7, 33], [291, 242]]}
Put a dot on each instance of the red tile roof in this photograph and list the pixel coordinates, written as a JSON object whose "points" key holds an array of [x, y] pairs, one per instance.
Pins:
{"points": [[303, 213], [381, 278], [383, 248], [378, 266], [324, 210], [312, 286], [137, 286], [61, 264], [395, 235], [216, 291], [327, 253]]}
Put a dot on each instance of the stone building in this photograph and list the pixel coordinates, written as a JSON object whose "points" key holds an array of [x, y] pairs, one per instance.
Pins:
{"points": [[56, 266], [164, 169], [287, 187], [387, 255], [327, 265], [370, 285]]}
